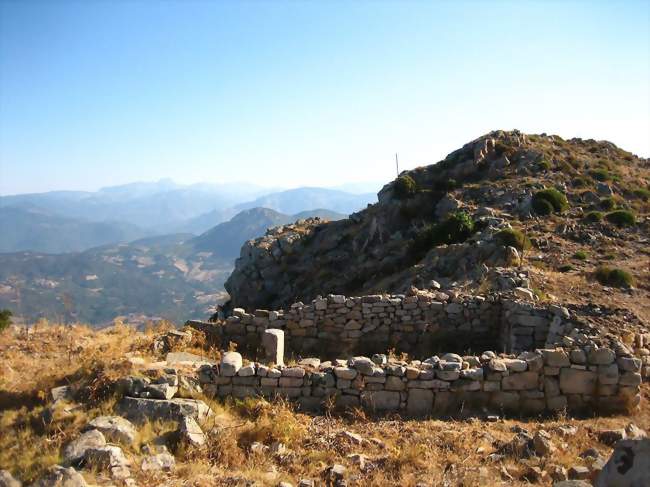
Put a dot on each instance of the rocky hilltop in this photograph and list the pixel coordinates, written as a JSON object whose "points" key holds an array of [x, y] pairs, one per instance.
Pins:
{"points": [[567, 212]]}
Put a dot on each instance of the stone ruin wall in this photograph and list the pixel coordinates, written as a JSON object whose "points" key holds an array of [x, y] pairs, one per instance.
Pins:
{"points": [[547, 364], [550, 380], [419, 324]]}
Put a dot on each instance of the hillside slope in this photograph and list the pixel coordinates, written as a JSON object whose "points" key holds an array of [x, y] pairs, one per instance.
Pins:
{"points": [[444, 222]]}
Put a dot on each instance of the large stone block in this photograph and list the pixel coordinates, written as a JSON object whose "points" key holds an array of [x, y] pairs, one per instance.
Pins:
{"points": [[520, 381], [273, 343], [576, 381], [380, 400], [419, 402]]}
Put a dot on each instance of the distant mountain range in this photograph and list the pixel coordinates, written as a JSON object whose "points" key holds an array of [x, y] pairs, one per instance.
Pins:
{"points": [[69, 221], [174, 276]]}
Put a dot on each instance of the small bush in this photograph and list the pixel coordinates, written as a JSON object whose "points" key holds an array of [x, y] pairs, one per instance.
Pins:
{"points": [[621, 218], [608, 276], [600, 174], [642, 193], [565, 268], [607, 204], [455, 229], [594, 216], [554, 197], [580, 182], [511, 237], [405, 187], [544, 165], [542, 207], [5, 318], [580, 255]]}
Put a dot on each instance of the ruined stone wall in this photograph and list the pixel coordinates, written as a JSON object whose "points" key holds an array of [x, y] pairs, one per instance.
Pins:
{"points": [[576, 379], [420, 325]]}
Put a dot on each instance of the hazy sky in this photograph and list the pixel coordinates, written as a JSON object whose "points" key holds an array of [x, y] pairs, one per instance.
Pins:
{"points": [[303, 93]]}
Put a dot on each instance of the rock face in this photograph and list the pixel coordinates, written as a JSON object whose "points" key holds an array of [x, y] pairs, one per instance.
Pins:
{"points": [[629, 465], [141, 410]]}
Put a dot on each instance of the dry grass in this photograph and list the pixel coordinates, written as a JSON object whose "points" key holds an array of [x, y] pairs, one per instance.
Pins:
{"points": [[398, 452]]}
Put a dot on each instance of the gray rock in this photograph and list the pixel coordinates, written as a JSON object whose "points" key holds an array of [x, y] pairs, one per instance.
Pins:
{"points": [[8, 480], [231, 362], [575, 381], [114, 428], [629, 465], [380, 400], [59, 476], [140, 410], [191, 432], [164, 462], [160, 391], [273, 343], [75, 451], [105, 457]]}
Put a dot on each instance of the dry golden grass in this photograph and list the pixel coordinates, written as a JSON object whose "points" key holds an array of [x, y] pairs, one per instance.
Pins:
{"points": [[398, 451]]}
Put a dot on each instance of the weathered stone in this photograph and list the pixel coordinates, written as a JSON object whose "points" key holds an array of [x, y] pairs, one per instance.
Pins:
{"points": [[556, 358], [419, 402], [191, 432], [520, 381], [629, 465], [164, 462], [140, 410], [601, 356], [160, 391], [115, 429], [574, 381], [380, 400], [295, 372], [230, 364], [75, 451], [273, 343], [58, 476], [8, 480], [105, 457], [345, 373]]}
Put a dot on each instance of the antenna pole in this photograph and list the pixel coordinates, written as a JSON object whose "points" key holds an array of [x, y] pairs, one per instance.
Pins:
{"points": [[396, 164]]}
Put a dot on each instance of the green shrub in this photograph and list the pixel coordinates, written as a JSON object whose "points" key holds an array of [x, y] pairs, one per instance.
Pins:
{"points": [[565, 268], [511, 237], [600, 174], [608, 276], [542, 207], [454, 229], [580, 182], [5, 318], [607, 204], [594, 216], [544, 165], [621, 218], [580, 255], [405, 187], [556, 198], [642, 193]]}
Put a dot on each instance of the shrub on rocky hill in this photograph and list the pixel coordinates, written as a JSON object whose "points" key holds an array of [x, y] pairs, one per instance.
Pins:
{"points": [[615, 277], [511, 237], [405, 187], [594, 216], [547, 199], [621, 218], [456, 228]]}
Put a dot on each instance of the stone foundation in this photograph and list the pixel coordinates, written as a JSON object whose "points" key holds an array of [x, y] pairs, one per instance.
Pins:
{"points": [[574, 379], [420, 324]]}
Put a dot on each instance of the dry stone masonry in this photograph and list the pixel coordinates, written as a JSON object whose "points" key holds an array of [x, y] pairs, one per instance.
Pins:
{"points": [[419, 324]]}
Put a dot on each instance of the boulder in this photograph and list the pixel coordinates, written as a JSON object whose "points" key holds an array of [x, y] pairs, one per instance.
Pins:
{"points": [[105, 457], [140, 410], [59, 476], [75, 451], [191, 432], [231, 362], [114, 428], [164, 462], [8, 480], [628, 466]]}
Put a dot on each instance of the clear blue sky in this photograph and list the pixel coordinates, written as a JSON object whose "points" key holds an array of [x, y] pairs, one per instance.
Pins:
{"points": [[316, 93]]}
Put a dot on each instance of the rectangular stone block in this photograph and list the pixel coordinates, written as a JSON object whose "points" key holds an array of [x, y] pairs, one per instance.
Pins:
{"points": [[380, 400], [575, 381], [419, 402], [520, 381]]}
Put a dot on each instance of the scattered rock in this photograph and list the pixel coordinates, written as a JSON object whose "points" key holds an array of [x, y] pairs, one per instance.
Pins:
{"points": [[191, 432], [163, 461], [8, 480], [75, 451], [334, 475], [59, 476], [114, 428], [542, 443], [629, 465]]}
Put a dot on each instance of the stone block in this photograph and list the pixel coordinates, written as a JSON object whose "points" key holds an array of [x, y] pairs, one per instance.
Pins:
{"points": [[575, 381], [230, 364], [419, 402], [380, 400], [273, 343], [520, 381]]}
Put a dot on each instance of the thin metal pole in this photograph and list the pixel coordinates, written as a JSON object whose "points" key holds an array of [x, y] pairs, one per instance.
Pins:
{"points": [[396, 164]]}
